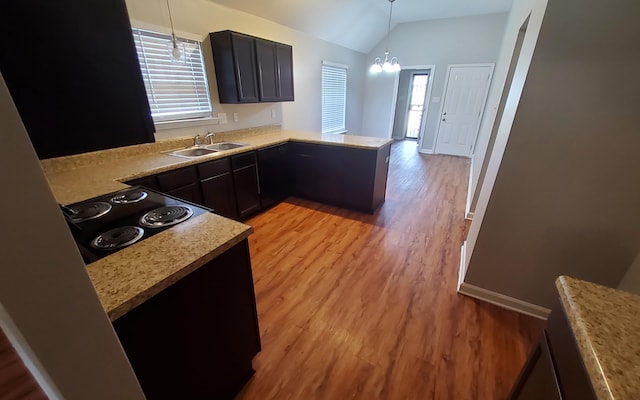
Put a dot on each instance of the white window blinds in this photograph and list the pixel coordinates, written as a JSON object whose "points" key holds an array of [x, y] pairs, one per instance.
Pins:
{"points": [[334, 97], [176, 90]]}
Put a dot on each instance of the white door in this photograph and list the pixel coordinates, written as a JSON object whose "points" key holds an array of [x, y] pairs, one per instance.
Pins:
{"points": [[465, 95]]}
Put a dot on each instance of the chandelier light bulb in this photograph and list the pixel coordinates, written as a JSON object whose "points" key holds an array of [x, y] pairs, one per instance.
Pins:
{"points": [[387, 65]]}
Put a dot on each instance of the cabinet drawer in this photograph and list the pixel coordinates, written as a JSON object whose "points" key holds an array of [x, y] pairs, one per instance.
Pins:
{"points": [[214, 168], [178, 178], [243, 160]]}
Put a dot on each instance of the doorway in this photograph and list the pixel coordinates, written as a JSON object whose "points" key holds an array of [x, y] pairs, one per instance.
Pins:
{"points": [[465, 95], [496, 123], [415, 112], [411, 104]]}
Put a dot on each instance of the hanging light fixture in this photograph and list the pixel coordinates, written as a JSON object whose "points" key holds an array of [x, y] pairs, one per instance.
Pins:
{"points": [[176, 49], [386, 65]]}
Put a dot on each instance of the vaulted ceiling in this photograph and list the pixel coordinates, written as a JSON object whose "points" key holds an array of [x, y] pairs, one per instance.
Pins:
{"points": [[359, 24]]}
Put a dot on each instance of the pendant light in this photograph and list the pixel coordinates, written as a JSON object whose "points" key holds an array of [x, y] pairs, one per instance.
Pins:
{"points": [[176, 49], [386, 65]]}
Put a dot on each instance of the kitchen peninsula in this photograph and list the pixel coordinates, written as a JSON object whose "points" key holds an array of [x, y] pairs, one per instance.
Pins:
{"points": [[150, 285], [143, 270]]}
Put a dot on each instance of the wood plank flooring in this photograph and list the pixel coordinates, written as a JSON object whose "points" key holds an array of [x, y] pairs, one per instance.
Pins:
{"points": [[357, 306], [16, 382]]}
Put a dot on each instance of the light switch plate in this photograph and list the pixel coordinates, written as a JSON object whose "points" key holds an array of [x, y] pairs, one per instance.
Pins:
{"points": [[273, 113], [222, 118], [235, 117]]}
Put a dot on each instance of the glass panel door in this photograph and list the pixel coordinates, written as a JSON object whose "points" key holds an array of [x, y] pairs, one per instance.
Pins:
{"points": [[416, 105]]}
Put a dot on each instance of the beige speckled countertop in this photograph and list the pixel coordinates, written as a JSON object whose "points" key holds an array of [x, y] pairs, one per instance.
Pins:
{"points": [[74, 179], [606, 325], [126, 279]]}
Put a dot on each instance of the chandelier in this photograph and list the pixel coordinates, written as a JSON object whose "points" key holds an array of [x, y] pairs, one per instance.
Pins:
{"points": [[387, 64]]}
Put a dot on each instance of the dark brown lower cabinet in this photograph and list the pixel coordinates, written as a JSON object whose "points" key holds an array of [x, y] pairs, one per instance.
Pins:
{"points": [[218, 191], [245, 179], [197, 338], [274, 171], [540, 382], [190, 192], [219, 195], [353, 178], [554, 369], [241, 185]]}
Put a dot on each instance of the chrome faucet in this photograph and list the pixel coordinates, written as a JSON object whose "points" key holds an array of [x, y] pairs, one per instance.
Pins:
{"points": [[197, 140], [210, 136]]}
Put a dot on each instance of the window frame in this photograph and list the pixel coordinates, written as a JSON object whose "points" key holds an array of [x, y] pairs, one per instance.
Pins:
{"points": [[202, 117], [342, 128]]}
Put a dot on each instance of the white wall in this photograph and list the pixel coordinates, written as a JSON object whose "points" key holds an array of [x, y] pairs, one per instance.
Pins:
{"points": [[560, 196], [197, 18], [520, 11], [48, 306], [440, 42]]}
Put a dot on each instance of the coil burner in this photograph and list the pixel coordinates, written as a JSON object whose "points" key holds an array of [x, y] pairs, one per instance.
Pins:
{"points": [[117, 238], [166, 216], [132, 196], [85, 212]]}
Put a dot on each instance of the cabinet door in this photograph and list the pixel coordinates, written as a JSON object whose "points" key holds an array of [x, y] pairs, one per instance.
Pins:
{"points": [[359, 168], [275, 175], [267, 70], [67, 64], [538, 379], [245, 68], [189, 193], [247, 191], [196, 338], [219, 195], [285, 71], [317, 172]]}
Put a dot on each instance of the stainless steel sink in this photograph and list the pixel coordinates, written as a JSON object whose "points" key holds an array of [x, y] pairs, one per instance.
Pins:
{"points": [[224, 146], [192, 152]]}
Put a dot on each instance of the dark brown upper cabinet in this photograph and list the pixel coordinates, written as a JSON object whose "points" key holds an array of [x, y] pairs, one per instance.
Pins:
{"points": [[72, 70], [250, 69]]}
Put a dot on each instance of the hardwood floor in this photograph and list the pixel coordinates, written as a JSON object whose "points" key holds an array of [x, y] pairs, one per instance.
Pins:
{"points": [[364, 306], [16, 382]]}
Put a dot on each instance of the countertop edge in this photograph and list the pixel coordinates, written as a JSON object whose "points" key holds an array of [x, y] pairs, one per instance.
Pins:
{"points": [[172, 279], [587, 352]]}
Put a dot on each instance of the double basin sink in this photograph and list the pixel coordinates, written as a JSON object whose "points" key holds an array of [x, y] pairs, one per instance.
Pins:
{"points": [[199, 151]]}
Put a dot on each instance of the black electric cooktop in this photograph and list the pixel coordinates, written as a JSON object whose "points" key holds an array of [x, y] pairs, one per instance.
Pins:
{"points": [[106, 224]]}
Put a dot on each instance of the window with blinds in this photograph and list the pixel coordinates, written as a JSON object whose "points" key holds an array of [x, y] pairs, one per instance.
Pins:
{"points": [[334, 97], [176, 90]]}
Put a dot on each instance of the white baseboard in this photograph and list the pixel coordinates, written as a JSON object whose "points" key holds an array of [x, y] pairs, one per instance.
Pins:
{"points": [[461, 270], [425, 151], [469, 216], [510, 303]]}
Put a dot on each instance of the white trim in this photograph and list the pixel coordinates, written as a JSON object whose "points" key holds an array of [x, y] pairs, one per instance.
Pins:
{"points": [[425, 151], [468, 215], [482, 107], [185, 123], [29, 358], [461, 270], [467, 207], [501, 300], [394, 101], [333, 64]]}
